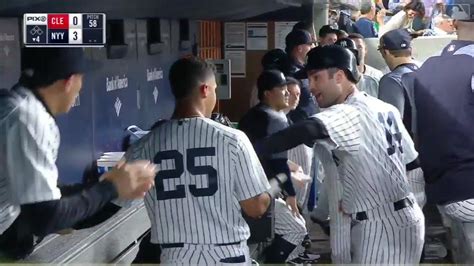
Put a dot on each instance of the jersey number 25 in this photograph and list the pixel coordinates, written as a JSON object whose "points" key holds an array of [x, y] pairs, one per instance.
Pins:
{"points": [[180, 191]]}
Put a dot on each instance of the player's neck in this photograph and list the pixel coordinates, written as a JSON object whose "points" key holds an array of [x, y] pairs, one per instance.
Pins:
{"points": [[350, 90], [185, 109], [50, 98], [400, 61]]}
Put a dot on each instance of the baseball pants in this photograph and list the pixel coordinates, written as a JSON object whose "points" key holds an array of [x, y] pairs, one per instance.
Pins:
{"points": [[190, 254], [388, 236], [291, 228], [462, 210]]}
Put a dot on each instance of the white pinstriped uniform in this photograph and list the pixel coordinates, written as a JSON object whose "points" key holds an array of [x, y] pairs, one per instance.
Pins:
{"points": [[302, 155], [205, 170], [371, 147], [29, 142], [340, 223]]}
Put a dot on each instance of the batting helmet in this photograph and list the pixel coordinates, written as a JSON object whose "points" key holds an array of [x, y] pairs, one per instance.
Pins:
{"points": [[351, 45], [332, 56]]}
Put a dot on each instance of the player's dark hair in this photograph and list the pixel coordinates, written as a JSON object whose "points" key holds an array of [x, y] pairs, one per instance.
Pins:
{"points": [[293, 81], [355, 36], [304, 25], [187, 73], [341, 34]]}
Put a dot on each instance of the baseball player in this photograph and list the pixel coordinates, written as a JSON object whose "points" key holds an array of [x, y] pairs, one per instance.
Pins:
{"points": [[444, 104], [302, 155], [395, 48], [208, 173], [264, 119], [370, 76], [371, 149], [31, 204]]}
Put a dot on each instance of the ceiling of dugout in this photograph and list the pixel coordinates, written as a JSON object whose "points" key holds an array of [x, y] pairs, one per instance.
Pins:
{"points": [[192, 9]]}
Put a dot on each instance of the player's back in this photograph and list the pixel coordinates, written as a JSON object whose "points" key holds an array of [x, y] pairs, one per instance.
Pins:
{"points": [[26, 129], [199, 184], [374, 168]]}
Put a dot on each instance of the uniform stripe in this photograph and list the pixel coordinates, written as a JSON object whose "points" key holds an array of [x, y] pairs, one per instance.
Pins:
{"points": [[29, 142], [195, 219]]}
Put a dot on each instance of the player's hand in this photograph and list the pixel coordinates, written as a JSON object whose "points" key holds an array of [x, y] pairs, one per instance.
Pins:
{"points": [[132, 180], [291, 202]]}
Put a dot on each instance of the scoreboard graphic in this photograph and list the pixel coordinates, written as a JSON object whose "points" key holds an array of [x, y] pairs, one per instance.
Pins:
{"points": [[64, 30]]}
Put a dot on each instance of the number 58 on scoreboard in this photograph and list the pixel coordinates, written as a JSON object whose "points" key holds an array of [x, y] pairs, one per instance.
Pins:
{"points": [[64, 30]]}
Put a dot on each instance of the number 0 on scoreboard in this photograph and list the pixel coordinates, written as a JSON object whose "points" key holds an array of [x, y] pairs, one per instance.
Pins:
{"points": [[63, 30]]}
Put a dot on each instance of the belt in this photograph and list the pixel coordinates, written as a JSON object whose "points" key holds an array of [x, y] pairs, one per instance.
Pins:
{"points": [[398, 205], [180, 245]]}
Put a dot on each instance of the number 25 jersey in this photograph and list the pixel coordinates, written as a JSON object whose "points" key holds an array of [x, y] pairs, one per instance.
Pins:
{"points": [[205, 170]]}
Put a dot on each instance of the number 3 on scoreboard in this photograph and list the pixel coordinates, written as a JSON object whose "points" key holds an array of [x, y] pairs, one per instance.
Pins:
{"points": [[75, 36]]}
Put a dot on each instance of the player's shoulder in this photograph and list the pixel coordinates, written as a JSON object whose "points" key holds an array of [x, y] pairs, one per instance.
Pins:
{"points": [[20, 105], [336, 111], [376, 105], [373, 72], [225, 131]]}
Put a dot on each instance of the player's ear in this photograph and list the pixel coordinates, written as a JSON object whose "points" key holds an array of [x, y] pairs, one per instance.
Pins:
{"points": [[68, 82], [204, 90], [339, 76]]}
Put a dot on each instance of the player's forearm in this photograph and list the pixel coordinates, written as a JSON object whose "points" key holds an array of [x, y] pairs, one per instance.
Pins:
{"points": [[48, 217], [304, 132]]}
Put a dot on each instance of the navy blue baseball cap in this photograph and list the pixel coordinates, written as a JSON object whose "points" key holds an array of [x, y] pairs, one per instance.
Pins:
{"points": [[44, 66], [398, 39], [298, 37], [270, 79]]}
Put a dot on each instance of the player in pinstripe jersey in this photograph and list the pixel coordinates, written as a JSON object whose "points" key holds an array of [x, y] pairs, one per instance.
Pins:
{"points": [[31, 204], [208, 173], [371, 150]]}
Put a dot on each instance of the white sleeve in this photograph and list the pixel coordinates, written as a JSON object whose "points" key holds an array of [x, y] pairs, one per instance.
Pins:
{"points": [[395, 22], [31, 161], [342, 123], [249, 178], [134, 153]]}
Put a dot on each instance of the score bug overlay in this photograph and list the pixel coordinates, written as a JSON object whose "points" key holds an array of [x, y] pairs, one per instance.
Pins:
{"points": [[64, 29]]}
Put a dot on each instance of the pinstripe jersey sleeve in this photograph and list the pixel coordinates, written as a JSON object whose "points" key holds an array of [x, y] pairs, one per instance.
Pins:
{"points": [[32, 143], [409, 152], [134, 153], [343, 126], [249, 178]]}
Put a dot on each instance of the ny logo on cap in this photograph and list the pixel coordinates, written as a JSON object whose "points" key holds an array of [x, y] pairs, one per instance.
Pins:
{"points": [[403, 45]]}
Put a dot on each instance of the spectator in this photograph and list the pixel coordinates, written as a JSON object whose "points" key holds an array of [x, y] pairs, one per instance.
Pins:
{"points": [[442, 25], [404, 18], [365, 24], [346, 21], [437, 8]]}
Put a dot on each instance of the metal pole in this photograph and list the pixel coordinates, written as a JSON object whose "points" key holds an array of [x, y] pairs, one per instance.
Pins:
{"points": [[320, 14]]}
